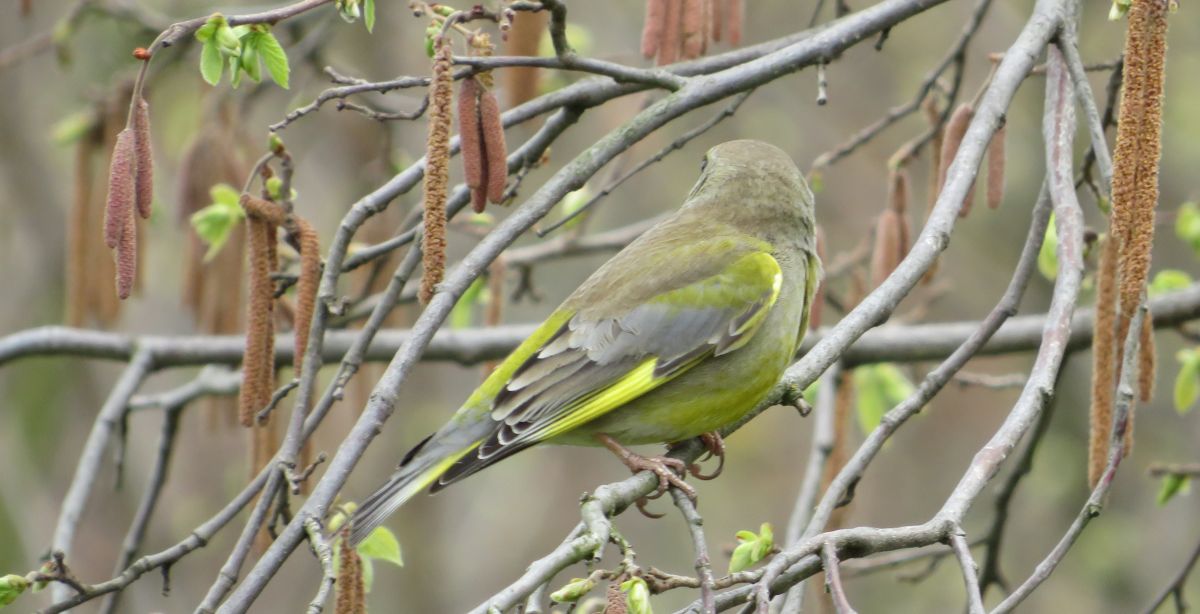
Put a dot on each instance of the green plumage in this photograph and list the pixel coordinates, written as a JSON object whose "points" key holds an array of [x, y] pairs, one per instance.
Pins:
{"points": [[681, 333]]}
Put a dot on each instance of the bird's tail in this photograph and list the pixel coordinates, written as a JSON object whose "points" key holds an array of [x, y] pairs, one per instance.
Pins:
{"points": [[421, 467]]}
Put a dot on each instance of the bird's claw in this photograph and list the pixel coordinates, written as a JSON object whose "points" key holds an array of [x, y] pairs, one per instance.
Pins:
{"points": [[715, 446], [670, 472]]}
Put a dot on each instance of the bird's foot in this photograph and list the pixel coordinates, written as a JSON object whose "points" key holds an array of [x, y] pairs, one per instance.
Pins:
{"points": [[670, 471], [716, 448]]}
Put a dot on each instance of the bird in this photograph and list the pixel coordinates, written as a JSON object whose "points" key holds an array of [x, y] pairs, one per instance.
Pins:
{"points": [[681, 333]]}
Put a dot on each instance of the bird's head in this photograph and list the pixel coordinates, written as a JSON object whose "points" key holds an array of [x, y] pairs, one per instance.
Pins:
{"points": [[756, 186]]}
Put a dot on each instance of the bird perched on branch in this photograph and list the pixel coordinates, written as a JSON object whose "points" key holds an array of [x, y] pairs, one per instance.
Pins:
{"points": [[682, 333]]}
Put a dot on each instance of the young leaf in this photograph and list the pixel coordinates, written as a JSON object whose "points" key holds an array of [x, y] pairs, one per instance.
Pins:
{"points": [[71, 128], [235, 71], [369, 14], [1047, 261], [211, 63], [1187, 381], [637, 596], [573, 590], [11, 587], [249, 59], [460, 315], [1172, 484], [381, 544], [275, 58], [1187, 225], [214, 223], [751, 548], [1169, 280], [209, 29], [878, 388]]}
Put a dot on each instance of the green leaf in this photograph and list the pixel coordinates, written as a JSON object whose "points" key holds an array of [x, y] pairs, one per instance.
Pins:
{"points": [[11, 587], [752, 548], [214, 223], [1169, 280], [572, 203], [1187, 381], [211, 63], [573, 590], [207, 31], [766, 541], [878, 388], [275, 58], [1187, 225], [235, 71], [1172, 484], [381, 544], [637, 596], [369, 14], [71, 128], [464, 309], [1047, 261], [224, 194], [227, 41], [249, 59]]}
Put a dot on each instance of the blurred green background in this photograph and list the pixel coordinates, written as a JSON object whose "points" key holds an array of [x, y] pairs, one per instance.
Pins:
{"points": [[471, 540]]}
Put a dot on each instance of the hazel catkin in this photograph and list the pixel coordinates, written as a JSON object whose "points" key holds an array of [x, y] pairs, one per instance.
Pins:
{"points": [[127, 258], [492, 131], [120, 189], [652, 28], [956, 129], [306, 287], [144, 163], [437, 176], [995, 168], [471, 142]]}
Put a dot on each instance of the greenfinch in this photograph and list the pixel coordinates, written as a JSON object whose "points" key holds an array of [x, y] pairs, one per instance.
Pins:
{"points": [[678, 335]]}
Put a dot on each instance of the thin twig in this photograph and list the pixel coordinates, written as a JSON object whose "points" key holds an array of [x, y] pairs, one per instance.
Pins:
{"points": [[970, 571], [833, 580], [703, 565]]}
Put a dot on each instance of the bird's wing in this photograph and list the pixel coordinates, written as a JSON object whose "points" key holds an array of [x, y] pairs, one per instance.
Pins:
{"points": [[584, 367]]}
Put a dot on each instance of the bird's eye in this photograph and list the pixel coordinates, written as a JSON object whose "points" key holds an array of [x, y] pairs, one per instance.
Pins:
{"points": [[703, 163]]}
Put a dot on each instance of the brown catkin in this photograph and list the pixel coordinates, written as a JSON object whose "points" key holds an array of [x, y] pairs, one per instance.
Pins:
{"points": [[127, 258], [843, 408], [494, 146], [306, 287], [1146, 360], [692, 25], [652, 29], [144, 165], [349, 586], [1104, 360], [1139, 147], [522, 82], [899, 196], [734, 17], [668, 47], [717, 23], [956, 129], [437, 176], [614, 599], [995, 168], [885, 255], [262, 209], [120, 189], [79, 232], [259, 323], [471, 139]]}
